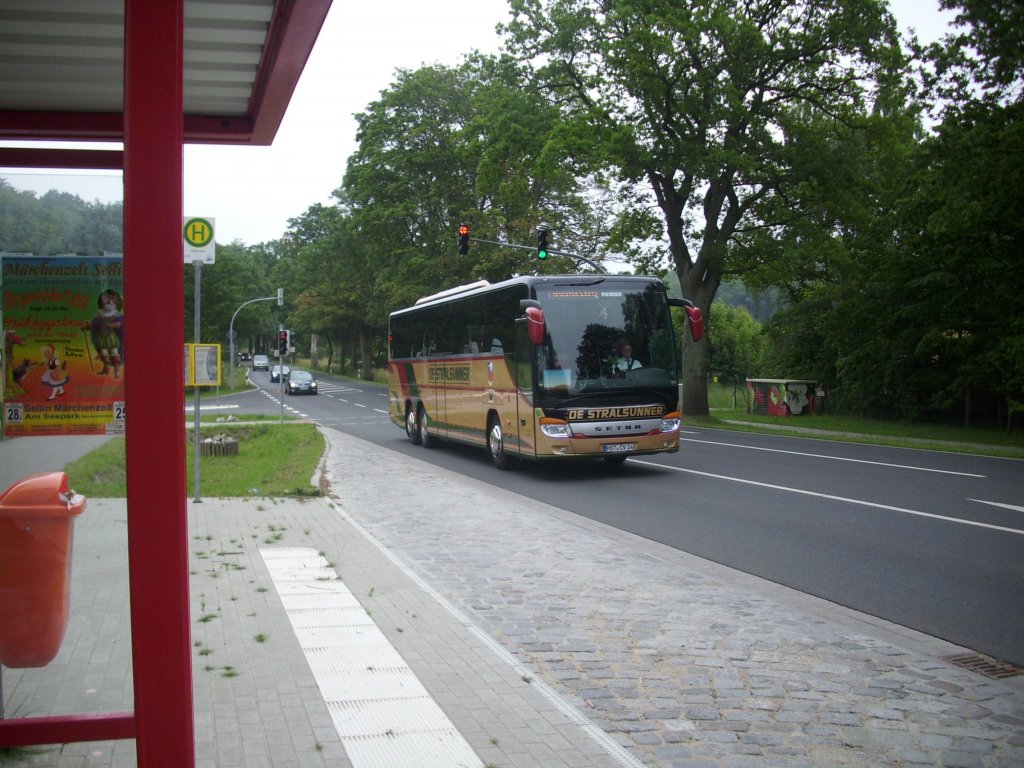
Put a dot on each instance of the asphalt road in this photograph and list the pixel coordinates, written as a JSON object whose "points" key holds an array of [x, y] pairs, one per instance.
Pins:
{"points": [[932, 541]]}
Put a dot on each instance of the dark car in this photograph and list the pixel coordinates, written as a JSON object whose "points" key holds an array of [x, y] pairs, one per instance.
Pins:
{"points": [[278, 372], [244, 357], [300, 383]]}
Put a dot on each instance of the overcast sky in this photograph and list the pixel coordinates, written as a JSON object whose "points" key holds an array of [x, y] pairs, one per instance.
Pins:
{"points": [[252, 192]]}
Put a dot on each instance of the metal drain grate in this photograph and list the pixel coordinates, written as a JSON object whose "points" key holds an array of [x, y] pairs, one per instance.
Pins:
{"points": [[985, 665]]}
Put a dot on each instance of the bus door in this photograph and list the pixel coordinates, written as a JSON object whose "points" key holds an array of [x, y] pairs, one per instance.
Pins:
{"points": [[439, 414], [521, 433]]}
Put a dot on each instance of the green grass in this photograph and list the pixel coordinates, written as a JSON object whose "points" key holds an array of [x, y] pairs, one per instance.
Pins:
{"points": [[988, 442], [273, 460]]}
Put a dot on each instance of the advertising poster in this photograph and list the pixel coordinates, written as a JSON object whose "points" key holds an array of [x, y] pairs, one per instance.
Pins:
{"points": [[64, 357]]}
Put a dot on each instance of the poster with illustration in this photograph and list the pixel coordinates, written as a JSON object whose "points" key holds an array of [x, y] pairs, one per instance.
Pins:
{"points": [[64, 358]]}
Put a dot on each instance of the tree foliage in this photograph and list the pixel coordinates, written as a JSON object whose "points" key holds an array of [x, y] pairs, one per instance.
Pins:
{"points": [[709, 106], [444, 146], [57, 222], [925, 322]]}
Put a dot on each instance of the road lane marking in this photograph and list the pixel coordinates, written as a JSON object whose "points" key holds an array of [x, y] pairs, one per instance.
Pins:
{"points": [[1014, 507], [836, 458], [378, 410], [831, 497]]}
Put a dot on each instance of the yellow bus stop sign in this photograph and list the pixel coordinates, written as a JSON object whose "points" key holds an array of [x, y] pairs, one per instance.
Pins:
{"points": [[198, 236]]}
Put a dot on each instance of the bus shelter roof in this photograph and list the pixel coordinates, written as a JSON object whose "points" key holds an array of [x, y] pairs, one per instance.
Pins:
{"points": [[63, 70]]}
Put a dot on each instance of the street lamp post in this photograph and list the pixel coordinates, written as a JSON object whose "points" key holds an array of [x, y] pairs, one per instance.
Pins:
{"points": [[231, 331]]}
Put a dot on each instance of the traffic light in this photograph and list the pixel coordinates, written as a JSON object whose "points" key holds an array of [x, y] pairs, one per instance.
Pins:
{"points": [[463, 239], [282, 342], [542, 244]]}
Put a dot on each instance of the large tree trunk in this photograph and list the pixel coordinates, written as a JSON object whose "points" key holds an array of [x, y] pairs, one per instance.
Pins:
{"points": [[314, 358], [701, 290], [366, 358]]}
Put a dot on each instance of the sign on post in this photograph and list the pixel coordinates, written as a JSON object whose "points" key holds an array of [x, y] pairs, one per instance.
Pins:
{"points": [[202, 365], [198, 234]]}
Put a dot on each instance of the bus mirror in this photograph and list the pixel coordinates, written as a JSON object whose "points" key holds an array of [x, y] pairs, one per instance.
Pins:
{"points": [[535, 324], [693, 314], [696, 322]]}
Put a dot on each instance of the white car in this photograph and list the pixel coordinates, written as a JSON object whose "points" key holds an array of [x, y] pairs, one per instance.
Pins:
{"points": [[279, 372], [260, 363]]}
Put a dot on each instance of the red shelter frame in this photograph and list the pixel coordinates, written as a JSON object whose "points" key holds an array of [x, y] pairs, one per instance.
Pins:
{"points": [[154, 129]]}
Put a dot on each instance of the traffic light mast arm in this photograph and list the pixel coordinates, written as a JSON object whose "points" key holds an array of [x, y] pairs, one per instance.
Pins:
{"points": [[576, 256]]}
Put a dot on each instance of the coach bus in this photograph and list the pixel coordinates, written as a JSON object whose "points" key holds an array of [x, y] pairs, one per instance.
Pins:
{"points": [[571, 366]]}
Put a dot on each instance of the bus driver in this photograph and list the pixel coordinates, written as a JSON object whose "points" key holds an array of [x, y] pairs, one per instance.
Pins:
{"points": [[626, 361]]}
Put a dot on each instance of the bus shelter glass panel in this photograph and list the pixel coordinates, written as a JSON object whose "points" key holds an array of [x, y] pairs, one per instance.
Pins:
{"points": [[64, 367]]}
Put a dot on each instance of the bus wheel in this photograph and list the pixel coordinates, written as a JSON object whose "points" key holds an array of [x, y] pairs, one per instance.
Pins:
{"points": [[427, 440], [496, 444], [615, 460], [411, 427]]}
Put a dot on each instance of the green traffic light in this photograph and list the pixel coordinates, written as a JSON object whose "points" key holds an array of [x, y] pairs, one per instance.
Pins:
{"points": [[542, 254]]}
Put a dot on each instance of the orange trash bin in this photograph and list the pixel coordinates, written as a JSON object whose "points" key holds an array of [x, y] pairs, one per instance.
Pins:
{"points": [[37, 516]]}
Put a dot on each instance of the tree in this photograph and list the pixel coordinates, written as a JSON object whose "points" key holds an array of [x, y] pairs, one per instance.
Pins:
{"points": [[703, 104], [234, 278], [738, 350], [333, 284], [449, 145], [57, 222]]}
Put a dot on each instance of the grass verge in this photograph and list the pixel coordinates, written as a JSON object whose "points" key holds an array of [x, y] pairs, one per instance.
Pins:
{"points": [[827, 426], [272, 460]]}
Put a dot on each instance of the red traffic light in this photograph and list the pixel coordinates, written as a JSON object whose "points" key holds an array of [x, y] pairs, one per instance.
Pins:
{"points": [[463, 239], [463, 230]]}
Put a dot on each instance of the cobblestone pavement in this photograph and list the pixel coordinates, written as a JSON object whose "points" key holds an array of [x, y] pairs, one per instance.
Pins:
{"points": [[548, 640], [684, 662]]}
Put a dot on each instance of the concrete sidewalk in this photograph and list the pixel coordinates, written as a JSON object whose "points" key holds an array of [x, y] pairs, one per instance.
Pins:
{"points": [[543, 638]]}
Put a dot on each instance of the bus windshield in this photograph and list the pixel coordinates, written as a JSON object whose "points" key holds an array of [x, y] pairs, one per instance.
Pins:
{"points": [[604, 337]]}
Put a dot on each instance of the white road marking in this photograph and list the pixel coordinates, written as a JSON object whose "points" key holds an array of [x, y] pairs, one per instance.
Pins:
{"points": [[999, 504], [832, 497], [838, 458]]}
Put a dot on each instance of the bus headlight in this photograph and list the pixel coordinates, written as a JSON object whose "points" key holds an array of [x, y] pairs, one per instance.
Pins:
{"points": [[555, 428], [670, 422]]}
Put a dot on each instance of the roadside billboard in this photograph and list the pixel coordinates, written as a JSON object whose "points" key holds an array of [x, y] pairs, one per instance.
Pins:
{"points": [[63, 358]]}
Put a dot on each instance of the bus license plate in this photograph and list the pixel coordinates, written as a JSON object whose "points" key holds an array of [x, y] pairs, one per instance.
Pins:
{"points": [[618, 447]]}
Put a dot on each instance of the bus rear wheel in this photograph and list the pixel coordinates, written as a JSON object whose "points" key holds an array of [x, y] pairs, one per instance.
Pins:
{"points": [[496, 443], [412, 429], [427, 440]]}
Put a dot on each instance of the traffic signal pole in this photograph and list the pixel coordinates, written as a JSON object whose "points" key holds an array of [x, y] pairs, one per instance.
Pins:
{"points": [[231, 330]]}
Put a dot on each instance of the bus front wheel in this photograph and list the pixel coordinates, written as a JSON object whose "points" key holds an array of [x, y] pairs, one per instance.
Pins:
{"points": [[496, 444], [411, 427]]}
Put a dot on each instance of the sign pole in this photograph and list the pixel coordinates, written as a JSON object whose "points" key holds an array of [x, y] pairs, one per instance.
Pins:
{"points": [[198, 264], [199, 246]]}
